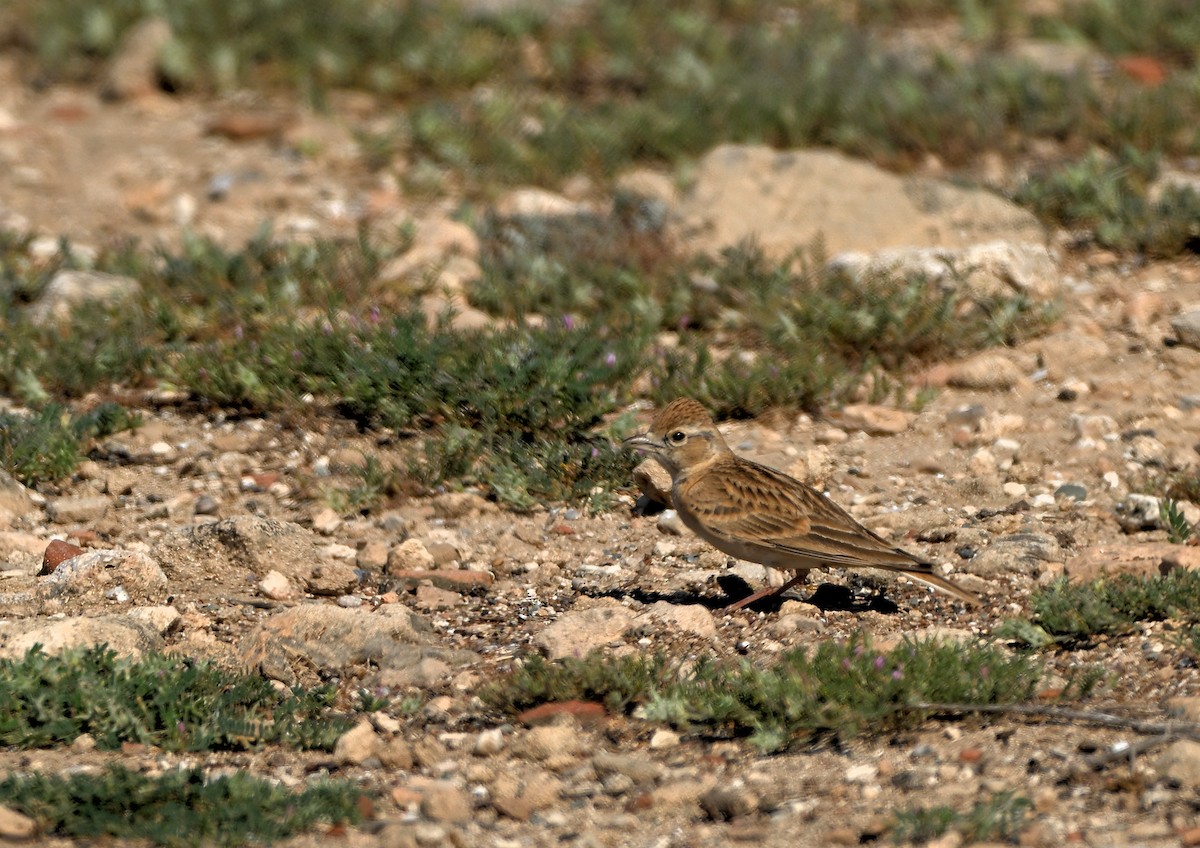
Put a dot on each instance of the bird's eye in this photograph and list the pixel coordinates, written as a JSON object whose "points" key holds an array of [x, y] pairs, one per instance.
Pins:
{"points": [[678, 437]]}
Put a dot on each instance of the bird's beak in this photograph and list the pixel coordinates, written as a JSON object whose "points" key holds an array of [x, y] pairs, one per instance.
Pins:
{"points": [[641, 441]]}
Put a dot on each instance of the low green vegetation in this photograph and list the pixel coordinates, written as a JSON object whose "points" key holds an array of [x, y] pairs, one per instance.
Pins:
{"points": [[1072, 612], [523, 93], [1168, 30], [49, 444], [755, 333], [840, 689], [170, 702], [1114, 201], [1179, 529], [518, 410], [996, 819], [175, 808]]}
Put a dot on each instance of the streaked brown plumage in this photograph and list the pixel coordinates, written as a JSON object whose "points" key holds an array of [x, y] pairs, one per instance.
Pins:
{"points": [[756, 513]]}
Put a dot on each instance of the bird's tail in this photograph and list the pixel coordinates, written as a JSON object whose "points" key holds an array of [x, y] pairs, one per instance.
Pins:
{"points": [[924, 573]]}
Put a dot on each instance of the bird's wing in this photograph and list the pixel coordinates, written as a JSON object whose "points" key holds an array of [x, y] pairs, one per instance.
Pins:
{"points": [[761, 506]]}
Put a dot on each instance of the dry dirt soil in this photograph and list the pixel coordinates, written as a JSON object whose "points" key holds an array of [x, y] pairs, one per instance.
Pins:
{"points": [[1103, 401]]}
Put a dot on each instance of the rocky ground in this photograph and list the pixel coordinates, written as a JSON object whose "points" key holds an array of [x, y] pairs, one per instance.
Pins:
{"points": [[211, 537]]}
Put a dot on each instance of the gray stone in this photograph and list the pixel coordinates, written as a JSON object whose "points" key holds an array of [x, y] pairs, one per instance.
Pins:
{"points": [[578, 632], [223, 552], [981, 271], [69, 289], [306, 640], [1074, 491], [1138, 512], [725, 802], [638, 767], [1020, 553], [81, 510], [1186, 327], [206, 505], [91, 575]]}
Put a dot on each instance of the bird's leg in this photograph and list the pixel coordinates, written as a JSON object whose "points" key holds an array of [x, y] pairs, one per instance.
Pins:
{"points": [[767, 592]]}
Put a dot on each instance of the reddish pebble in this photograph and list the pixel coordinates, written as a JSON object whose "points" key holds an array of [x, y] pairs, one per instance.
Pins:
{"points": [[639, 802], [366, 807], [970, 755], [1051, 694], [1144, 69], [389, 598], [563, 530], [962, 437], [56, 554], [246, 126], [585, 712], [1190, 838]]}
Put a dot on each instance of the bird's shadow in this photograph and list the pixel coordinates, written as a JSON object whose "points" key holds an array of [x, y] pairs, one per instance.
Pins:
{"points": [[827, 597]]}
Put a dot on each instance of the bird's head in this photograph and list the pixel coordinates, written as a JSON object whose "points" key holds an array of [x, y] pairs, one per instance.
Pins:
{"points": [[681, 437]]}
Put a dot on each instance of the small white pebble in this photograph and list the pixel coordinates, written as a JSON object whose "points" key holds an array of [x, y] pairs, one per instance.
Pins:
{"points": [[118, 594], [1015, 490]]}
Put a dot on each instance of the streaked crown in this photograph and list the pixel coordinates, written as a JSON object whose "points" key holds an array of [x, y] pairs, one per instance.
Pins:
{"points": [[682, 413]]}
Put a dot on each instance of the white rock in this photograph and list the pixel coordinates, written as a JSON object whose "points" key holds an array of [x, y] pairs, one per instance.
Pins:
{"points": [[277, 587], [862, 773], [663, 739], [670, 523], [1015, 490], [409, 555], [489, 742]]}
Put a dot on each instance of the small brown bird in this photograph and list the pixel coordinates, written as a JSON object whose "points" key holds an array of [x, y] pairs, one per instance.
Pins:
{"points": [[756, 513]]}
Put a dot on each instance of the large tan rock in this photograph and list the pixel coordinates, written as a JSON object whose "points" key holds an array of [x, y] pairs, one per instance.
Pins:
{"points": [[786, 199]]}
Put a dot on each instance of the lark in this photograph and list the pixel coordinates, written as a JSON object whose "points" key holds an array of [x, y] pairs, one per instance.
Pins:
{"points": [[755, 513]]}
